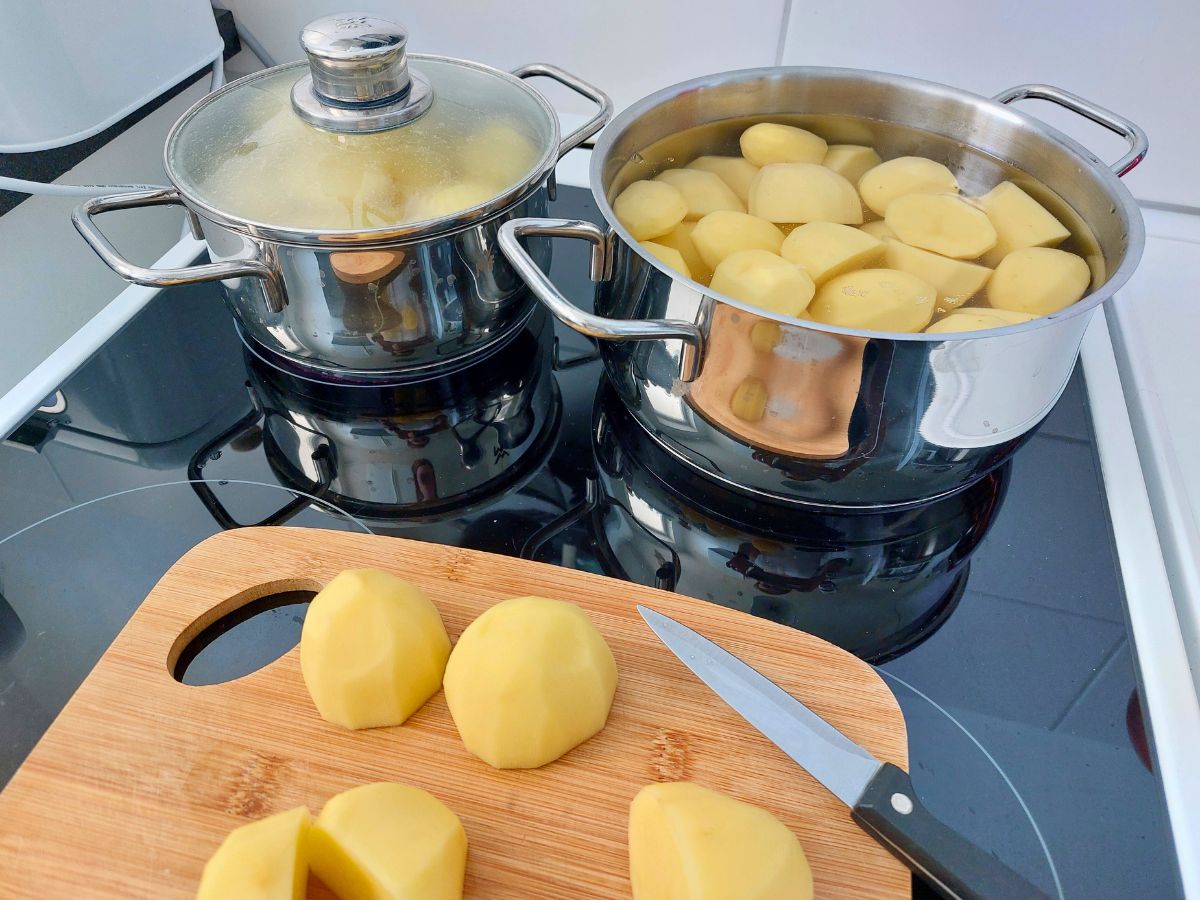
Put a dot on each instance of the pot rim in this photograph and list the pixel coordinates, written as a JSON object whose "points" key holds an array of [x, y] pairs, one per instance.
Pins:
{"points": [[1118, 193], [355, 238]]}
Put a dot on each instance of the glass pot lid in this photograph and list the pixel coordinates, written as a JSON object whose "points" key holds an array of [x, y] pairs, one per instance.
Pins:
{"points": [[358, 140]]}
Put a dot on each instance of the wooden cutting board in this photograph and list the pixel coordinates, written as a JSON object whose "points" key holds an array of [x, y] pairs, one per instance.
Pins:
{"points": [[141, 777]]}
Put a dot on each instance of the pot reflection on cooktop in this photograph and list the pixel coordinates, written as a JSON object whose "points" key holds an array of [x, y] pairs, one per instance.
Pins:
{"points": [[876, 583]]}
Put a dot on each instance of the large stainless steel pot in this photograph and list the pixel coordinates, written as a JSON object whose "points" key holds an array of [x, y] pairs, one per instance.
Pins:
{"points": [[864, 419], [404, 298]]}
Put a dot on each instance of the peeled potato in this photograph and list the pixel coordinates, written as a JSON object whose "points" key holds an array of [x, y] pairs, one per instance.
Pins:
{"points": [[769, 142], [877, 229], [372, 649], [875, 299], [735, 171], [679, 239], [803, 192], [978, 319], [941, 223], [904, 175], [497, 153], [765, 280], [387, 841], [687, 842], [703, 192], [443, 200], [265, 860], [650, 208], [528, 680], [1038, 280], [1020, 221], [956, 281], [850, 160], [721, 233], [668, 255], [825, 249]]}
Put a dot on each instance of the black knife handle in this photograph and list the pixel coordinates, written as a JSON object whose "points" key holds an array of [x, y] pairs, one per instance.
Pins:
{"points": [[890, 812]]}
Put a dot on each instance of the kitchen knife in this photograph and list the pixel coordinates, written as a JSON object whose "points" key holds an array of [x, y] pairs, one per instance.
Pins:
{"points": [[880, 796]]}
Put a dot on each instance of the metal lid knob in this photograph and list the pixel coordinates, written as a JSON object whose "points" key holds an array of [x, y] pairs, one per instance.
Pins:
{"points": [[359, 79]]}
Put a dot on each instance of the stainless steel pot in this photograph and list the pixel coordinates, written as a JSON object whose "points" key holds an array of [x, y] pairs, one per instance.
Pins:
{"points": [[862, 419], [404, 298]]}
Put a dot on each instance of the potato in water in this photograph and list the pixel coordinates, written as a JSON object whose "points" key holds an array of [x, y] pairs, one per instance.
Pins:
{"points": [[1038, 280], [803, 192], [978, 319], [956, 281], [904, 175], [851, 161], [650, 208], [719, 234], [703, 192], [679, 239], [668, 255], [769, 142], [1020, 222], [825, 249], [735, 171], [764, 280], [875, 299], [941, 223]]}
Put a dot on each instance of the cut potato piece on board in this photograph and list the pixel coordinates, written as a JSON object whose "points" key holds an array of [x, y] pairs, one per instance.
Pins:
{"points": [[904, 175], [703, 192], [1020, 222], [770, 142], [941, 223], [721, 233], [265, 860], [668, 255], [878, 229], [680, 238], [875, 299], [650, 208], [372, 649], [978, 319], [1038, 280], [388, 841], [687, 842], [735, 171], [850, 160], [825, 249], [528, 680], [956, 281], [804, 192], [764, 280]]}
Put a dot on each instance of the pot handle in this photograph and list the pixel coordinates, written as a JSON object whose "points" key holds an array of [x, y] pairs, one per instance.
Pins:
{"points": [[1138, 142], [579, 86], [586, 322], [85, 213]]}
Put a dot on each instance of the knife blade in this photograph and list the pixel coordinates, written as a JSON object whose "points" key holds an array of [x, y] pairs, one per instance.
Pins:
{"points": [[880, 796]]}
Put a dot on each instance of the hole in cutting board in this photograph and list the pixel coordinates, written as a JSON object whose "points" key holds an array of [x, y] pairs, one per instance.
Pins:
{"points": [[243, 634]]}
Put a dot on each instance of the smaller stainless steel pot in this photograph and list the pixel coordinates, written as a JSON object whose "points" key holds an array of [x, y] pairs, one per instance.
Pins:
{"points": [[407, 298]]}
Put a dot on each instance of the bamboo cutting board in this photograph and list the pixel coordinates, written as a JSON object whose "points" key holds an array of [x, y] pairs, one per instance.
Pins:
{"points": [[141, 777]]}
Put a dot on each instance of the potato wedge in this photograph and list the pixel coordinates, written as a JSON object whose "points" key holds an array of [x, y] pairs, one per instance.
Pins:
{"points": [[904, 175], [735, 171], [721, 233], [941, 223], [803, 192], [650, 208], [264, 860], [680, 238], [1038, 280], [668, 255], [977, 319], [770, 142], [851, 161], [878, 229], [956, 281], [1020, 221], [764, 280], [875, 299], [826, 249], [703, 192]]}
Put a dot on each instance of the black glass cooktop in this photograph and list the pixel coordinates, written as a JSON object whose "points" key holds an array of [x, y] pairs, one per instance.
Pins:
{"points": [[996, 615]]}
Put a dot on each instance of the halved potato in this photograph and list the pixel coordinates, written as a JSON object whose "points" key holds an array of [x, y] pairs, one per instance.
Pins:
{"points": [[904, 175], [803, 192], [1038, 280], [956, 281], [765, 280], [941, 223], [875, 299], [850, 160], [679, 238], [703, 192], [770, 142], [978, 319], [721, 233], [878, 229], [735, 171], [264, 860], [669, 255], [650, 208], [826, 249], [1020, 221]]}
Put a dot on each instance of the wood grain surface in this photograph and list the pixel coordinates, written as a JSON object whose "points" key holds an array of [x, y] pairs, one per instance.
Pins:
{"points": [[141, 777]]}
